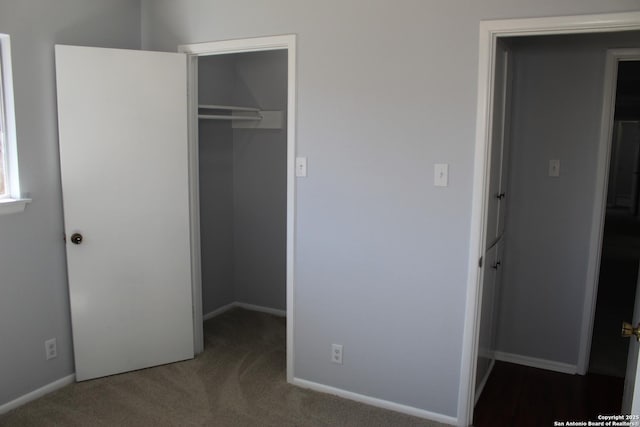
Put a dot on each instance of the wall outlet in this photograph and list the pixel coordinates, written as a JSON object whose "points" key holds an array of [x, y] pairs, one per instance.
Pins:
{"points": [[50, 349], [336, 353]]}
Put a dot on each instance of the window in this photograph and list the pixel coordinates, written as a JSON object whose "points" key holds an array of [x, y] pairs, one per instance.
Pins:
{"points": [[10, 197], [4, 184]]}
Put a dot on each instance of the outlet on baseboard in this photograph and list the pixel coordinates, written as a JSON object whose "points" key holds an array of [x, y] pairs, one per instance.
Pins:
{"points": [[50, 349], [336, 353]]}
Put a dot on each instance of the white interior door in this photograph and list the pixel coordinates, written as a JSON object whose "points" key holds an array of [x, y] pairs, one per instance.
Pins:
{"points": [[631, 394], [485, 337], [123, 151]]}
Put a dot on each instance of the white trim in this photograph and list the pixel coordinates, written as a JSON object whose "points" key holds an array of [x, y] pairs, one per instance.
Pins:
{"points": [[255, 44], [478, 224], [484, 380], [576, 24], [194, 201], [9, 206], [38, 393], [291, 199], [372, 401], [9, 119], [283, 42], [614, 56], [218, 311], [252, 307], [533, 362], [262, 309], [489, 32]]}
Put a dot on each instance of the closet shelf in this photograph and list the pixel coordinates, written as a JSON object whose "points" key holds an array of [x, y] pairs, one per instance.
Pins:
{"points": [[242, 117], [227, 107], [255, 112], [223, 117]]}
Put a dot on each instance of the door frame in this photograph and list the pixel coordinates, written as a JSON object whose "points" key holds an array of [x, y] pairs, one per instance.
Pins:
{"points": [[490, 31], [256, 44]]}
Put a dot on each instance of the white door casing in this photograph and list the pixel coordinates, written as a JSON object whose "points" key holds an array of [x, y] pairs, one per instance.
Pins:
{"points": [[255, 44], [123, 150]]}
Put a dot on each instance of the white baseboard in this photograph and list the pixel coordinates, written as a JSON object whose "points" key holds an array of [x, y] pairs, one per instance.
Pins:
{"points": [[274, 311], [483, 381], [35, 394], [252, 307], [218, 311], [533, 362], [372, 401]]}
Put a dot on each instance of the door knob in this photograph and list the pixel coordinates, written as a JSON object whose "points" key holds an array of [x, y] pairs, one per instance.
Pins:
{"points": [[76, 238], [628, 330]]}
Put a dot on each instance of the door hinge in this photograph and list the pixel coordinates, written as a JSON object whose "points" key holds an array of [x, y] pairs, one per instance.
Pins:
{"points": [[480, 263]]}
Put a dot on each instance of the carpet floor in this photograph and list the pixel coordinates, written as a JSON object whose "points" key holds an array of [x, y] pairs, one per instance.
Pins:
{"points": [[239, 380]]}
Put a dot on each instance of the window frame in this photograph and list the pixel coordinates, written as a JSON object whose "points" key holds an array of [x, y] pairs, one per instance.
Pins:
{"points": [[11, 201]]}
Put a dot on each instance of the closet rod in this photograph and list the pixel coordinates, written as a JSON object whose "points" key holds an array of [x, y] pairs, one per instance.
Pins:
{"points": [[228, 107], [219, 117]]}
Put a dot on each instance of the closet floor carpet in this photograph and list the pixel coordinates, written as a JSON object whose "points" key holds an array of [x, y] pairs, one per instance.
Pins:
{"points": [[239, 380]]}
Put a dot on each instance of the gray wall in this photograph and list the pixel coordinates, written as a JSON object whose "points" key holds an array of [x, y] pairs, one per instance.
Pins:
{"points": [[385, 90], [260, 184], [243, 184], [33, 283], [557, 107], [216, 81], [381, 255]]}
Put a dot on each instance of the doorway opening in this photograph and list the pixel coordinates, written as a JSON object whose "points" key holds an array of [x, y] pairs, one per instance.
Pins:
{"points": [[601, 389], [242, 146], [243, 180], [555, 166], [242, 152]]}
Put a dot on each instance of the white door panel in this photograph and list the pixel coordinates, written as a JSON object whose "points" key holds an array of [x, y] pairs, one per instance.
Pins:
{"points": [[497, 183], [123, 151], [497, 295], [506, 87], [486, 320]]}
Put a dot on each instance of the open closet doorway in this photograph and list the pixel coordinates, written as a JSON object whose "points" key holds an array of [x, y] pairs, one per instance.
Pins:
{"points": [[243, 180], [242, 183]]}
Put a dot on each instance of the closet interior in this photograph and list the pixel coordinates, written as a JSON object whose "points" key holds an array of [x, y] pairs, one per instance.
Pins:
{"points": [[242, 138]]}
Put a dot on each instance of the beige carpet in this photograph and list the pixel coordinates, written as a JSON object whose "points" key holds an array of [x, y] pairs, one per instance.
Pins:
{"points": [[238, 381]]}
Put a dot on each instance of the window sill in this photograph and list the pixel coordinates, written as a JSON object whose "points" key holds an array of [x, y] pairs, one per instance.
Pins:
{"points": [[9, 206]]}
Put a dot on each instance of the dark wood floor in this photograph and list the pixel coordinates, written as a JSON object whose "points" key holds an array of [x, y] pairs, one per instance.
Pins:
{"points": [[521, 396]]}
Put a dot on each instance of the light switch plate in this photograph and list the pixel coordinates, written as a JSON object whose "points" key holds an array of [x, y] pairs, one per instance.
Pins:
{"points": [[441, 175], [554, 167], [301, 166]]}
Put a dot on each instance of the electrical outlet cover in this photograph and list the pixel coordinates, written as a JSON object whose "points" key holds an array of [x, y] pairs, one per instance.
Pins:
{"points": [[336, 353], [50, 349]]}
